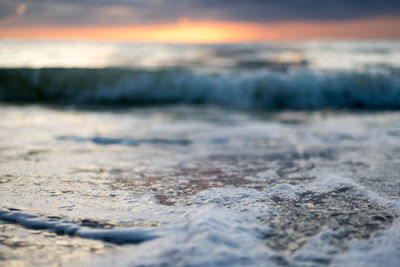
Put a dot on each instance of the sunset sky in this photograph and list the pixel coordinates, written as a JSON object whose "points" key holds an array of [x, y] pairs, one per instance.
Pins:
{"points": [[199, 21]]}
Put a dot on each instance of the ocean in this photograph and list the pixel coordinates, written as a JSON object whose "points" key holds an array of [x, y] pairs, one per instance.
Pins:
{"points": [[298, 75], [135, 154]]}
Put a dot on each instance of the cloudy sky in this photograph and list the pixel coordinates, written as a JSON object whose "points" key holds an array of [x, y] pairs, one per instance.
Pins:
{"points": [[19, 16]]}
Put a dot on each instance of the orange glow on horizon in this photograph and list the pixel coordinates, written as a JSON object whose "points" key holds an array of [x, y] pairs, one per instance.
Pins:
{"points": [[186, 31]]}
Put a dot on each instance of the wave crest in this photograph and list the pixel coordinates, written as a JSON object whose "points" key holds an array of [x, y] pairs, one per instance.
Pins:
{"points": [[253, 90]]}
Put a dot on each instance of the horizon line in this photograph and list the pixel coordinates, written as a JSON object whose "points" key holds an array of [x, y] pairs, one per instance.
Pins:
{"points": [[208, 32]]}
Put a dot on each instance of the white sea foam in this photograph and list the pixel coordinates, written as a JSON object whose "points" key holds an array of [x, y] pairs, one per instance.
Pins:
{"points": [[326, 182], [80, 177], [382, 250], [219, 228], [209, 235]]}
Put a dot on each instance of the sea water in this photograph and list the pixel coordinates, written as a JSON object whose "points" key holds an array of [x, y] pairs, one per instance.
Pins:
{"points": [[302, 75], [199, 155]]}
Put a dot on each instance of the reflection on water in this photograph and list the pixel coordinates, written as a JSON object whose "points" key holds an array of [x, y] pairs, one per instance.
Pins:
{"points": [[318, 55], [25, 247]]}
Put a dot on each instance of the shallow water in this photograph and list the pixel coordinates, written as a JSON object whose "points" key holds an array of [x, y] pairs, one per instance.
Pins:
{"points": [[194, 186], [223, 155]]}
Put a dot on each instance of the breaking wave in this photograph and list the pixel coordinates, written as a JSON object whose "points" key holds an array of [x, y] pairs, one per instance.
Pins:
{"points": [[303, 89]]}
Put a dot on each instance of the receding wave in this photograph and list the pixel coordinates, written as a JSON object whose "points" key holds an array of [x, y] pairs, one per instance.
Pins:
{"points": [[303, 89], [116, 236]]}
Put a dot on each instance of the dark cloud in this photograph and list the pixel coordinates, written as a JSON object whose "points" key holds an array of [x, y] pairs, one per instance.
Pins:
{"points": [[128, 12]]}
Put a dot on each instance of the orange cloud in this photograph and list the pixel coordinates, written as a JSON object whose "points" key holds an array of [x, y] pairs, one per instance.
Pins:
{"points": [[186, 31]]}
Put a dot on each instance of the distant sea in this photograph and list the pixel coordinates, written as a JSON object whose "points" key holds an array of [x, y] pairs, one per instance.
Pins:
{"points": [[281, 75]]}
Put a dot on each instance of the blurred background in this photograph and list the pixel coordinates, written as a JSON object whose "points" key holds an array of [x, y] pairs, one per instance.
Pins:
{"points": [[297, 54]]}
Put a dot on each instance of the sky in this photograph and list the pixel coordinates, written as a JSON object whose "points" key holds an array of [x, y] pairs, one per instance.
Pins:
{"points": [[199, 20]]}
